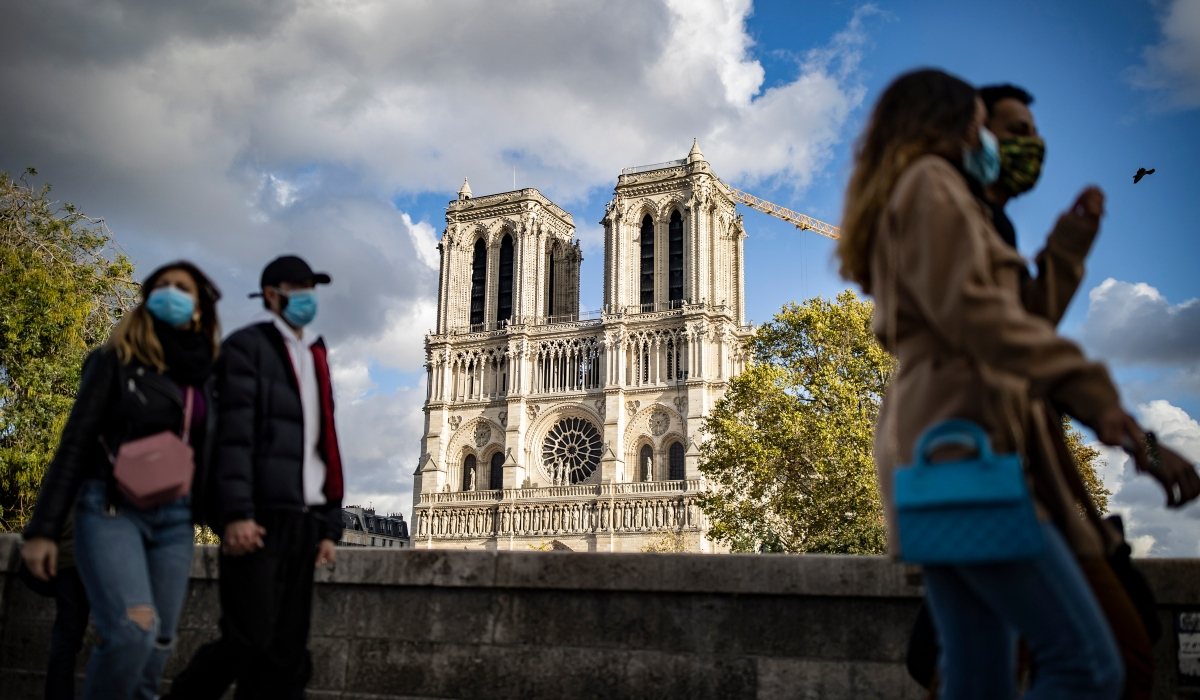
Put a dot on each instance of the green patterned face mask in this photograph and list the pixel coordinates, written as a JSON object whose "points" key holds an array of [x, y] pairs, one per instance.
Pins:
{"points": [[1020, 163]]}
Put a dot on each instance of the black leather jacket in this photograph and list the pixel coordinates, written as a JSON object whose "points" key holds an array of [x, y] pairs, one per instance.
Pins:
{"points": [[259, 461], [118, 402]]}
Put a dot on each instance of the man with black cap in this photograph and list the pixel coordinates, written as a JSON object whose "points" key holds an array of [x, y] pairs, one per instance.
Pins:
{"points": [[279, 490]]}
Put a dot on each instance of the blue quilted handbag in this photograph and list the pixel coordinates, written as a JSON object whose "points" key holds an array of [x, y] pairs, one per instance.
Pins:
{"points": [[972, 511]]}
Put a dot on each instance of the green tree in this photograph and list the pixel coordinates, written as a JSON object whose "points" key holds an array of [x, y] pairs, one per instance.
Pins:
{"points": [[788, 457], [63, 284], [1085, 459]]}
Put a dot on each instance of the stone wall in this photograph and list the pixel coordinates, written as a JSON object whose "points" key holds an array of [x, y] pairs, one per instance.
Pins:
{"points": [[484, 624]]}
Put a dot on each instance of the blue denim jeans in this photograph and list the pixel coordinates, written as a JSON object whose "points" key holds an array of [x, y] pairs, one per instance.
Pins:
{"points": [[129, 559], [980, 610]]}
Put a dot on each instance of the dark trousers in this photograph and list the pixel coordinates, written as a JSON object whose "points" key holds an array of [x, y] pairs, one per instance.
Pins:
{"points": [[66, 639], [266, 605]]}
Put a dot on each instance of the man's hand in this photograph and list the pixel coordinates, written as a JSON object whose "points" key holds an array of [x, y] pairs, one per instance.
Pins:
{"points": [[325, 552], [242, 537], [1087, 210], [41, 557]]}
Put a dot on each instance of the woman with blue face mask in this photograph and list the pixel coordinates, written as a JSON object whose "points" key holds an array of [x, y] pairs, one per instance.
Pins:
{"points": [[132, 463], [979, 373]]}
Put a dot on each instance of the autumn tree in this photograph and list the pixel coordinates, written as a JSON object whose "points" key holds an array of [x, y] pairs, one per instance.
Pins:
{"points": [[63, 284], [788, 454], [1085, 459]]}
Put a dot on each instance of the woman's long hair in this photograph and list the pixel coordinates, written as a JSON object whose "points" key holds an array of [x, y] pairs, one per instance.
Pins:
{"points": [[134, 336], [925, 111]]}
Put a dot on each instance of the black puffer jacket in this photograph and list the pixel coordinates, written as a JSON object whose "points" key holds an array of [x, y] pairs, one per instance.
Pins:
{"points": [[118, 402], [260, 433]]}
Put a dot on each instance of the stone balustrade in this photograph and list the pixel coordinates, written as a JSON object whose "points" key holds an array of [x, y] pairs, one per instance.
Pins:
{"points": [[618, 508]]}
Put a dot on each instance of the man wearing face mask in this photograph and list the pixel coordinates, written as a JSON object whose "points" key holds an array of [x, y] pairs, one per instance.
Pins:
{"points": [[1012, 164], [1021, 150], [279, 492]]}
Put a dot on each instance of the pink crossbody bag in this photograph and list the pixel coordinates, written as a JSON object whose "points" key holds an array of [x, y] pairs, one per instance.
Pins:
{"points": [[158, 468]]}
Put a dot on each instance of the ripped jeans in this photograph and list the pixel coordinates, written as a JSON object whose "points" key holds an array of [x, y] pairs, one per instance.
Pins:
{"points": [[134, 564]]}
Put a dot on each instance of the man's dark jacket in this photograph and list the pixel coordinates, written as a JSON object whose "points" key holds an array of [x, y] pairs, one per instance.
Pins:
{"points": [[259, 454]]}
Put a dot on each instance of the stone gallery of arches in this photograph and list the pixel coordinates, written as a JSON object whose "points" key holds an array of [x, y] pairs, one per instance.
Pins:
{"points": [[545, 424]]}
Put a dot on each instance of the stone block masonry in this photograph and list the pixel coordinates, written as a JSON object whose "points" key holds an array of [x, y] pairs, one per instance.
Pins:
{"points": [[411, 623]]}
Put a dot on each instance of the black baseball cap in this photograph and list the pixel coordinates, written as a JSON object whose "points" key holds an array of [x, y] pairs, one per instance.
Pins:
{"points": [[289, 268]]}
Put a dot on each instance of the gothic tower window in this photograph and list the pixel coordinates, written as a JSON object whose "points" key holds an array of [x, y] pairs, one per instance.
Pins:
{"points": [[550, 307], [647, 241], [676, 460], [468, 482], [504, 297], [675, 251], [478, 279], [497, 472], [646, 464]]}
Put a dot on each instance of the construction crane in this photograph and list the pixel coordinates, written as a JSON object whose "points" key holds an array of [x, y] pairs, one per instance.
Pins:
{"points": [[800, 221]]}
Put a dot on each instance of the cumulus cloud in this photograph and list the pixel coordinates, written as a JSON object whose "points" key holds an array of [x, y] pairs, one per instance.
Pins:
{"points": [[379, 436], [1172, 67], [1134, 323], [230, 131], [1151, 528]]}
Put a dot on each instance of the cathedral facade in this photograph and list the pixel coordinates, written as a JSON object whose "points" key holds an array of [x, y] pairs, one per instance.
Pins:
{"points": [[548, 427]]}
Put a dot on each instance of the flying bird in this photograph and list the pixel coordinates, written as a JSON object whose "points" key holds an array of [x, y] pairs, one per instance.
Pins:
{"points": [[1141, 173]]}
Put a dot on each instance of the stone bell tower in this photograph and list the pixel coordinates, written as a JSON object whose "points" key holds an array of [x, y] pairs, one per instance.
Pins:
{"points": [[543, 422]]}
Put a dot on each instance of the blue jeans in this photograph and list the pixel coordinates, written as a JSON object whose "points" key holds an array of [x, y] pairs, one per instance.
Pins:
{"points": [[980, 610], [131, 559]]}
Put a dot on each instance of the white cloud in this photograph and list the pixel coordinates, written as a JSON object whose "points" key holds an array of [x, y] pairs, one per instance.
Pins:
{"points": [[1134, 323], [1151, 528], [379, 438], [231, 131], [1172, 67]]}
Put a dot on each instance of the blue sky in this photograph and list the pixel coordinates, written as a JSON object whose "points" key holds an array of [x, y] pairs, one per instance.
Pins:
{"points": [[229, 132]]}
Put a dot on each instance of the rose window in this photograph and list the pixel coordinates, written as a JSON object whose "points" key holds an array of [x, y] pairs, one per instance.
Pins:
{"points": [[571, 451]]}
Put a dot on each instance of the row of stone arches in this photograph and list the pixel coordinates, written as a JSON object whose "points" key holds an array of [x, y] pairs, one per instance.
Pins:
{"points": [[560, 262], [665, 464], [473, 477]]}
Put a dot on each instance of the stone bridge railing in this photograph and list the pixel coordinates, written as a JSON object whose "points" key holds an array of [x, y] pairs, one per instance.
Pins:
{"points": [[417, 624]]}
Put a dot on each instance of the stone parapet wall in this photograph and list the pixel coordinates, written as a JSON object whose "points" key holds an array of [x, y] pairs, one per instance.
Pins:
{"points": [[485, 624]]}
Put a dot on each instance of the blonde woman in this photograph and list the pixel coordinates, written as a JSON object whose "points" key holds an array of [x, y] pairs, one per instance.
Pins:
{"points": [[152, 377], [917, 236]]}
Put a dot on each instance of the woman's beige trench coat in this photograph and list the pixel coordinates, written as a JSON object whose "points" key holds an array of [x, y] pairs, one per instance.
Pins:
{"points": [[974, 342]]}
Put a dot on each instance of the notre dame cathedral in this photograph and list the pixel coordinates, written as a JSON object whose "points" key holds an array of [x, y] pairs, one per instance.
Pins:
{"points": [[547, 426]]}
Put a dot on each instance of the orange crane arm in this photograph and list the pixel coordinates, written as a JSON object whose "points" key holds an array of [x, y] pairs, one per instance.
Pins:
{"points": [[800, 221]]}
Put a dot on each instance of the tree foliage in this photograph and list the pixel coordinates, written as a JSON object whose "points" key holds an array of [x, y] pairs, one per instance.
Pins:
{"points": [[63, 284], [1085, 459], [788, 457]]}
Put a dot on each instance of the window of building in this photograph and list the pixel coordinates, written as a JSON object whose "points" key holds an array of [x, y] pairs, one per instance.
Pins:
{"points": [[497, 475], [647, 243], [504, 297], [646, 464], [675, 251], [468, 472], [676, 460], [478, 280], [551, 265]]}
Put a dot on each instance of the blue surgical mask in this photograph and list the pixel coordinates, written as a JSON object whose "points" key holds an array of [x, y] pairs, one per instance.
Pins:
{"points": [[984, 164], [301, 307], [171, 305]]}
